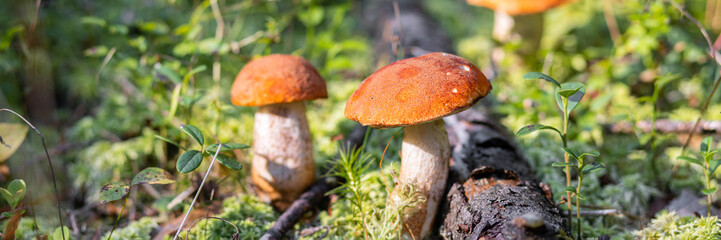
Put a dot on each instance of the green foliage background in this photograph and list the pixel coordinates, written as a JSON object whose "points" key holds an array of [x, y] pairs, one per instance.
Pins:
{"points": [[125, 71]]}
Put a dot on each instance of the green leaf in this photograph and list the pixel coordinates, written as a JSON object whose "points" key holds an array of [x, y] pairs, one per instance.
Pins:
{"points": [[714, 165], [691, 160], [537, 75], [593, 167], [535, 127], [573, 99], [580, 196], [113, 191], [593, 153], [570, 189], [58, 234], [568, 92], [229, 162], [153, 175], [706, 145], [562, 164], [13, 136], [17, 189], [226, 147], [189, 161], [709, 191], [7, 196], [312, 16], [6, 214], [167, 73], [88, 20], [9, 35], [571, 152], [169, 141], [193, 72], [193, 132]]}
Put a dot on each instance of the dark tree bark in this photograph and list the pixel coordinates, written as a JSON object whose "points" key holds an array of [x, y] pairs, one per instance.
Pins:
{"points": [[492, 192]]}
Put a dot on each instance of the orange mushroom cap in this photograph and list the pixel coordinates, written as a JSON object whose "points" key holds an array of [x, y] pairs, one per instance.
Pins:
{"points": [[417, 90], [275, 79], [518, 7]]}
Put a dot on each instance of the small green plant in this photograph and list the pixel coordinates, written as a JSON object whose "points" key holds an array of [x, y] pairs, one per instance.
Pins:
{"points": [[117, 190], [705, 160], [13, 195], [350, 167], [191, 159], [582, 169], [567, 95], [353, 166]]}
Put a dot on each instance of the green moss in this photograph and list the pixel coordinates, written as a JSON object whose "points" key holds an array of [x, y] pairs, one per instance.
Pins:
{"points": [[136, 230], [668, 225], [251, 216]]}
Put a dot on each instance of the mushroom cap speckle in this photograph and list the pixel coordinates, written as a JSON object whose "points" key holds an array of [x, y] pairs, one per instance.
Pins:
{"points": [[417, 90], [275, 79], [518, 7]]}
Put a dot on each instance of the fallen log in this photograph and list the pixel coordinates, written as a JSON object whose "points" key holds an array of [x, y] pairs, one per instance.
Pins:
{"points": [[492, 193]]}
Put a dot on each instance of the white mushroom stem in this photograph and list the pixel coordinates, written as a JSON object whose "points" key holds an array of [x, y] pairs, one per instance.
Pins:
{"points": [[424, 162], [283, 153], [502, 26]]}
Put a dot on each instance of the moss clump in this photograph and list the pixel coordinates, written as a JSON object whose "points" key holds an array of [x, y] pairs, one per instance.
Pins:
{"points": [[671, 226], [137, 230], [250, 215]]}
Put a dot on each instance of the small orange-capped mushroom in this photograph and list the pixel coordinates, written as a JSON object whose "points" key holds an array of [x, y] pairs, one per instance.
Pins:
{"points": [[282, 148]]}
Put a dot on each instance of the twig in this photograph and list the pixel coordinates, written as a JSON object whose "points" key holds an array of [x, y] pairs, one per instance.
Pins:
{"points": [[218, 36], [199, 189], [34, 23], [310, 231], [180, 197], [665, 126], [50, 163], [627, 214], [610, 18], [399, 40], [305, 203], [153, 193], [74, 224]]}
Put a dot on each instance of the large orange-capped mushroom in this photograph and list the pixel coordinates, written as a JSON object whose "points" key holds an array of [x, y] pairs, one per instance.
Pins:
{"points": [[508, 12], [518, 7], [416, 93], [282, 148]]}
